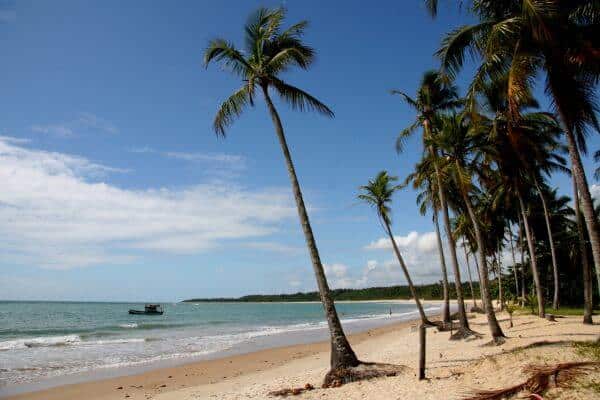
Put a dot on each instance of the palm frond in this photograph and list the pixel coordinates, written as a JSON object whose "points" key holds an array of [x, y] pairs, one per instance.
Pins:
{"points": [[407, 99], [287, 53], [232, 108], [261, 25], [221, 50], [299, 99], [404, 134], [460, 42], [432, 7]]}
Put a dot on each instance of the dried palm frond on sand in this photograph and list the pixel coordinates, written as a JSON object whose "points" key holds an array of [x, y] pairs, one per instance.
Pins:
{"points": [[541, 377]]}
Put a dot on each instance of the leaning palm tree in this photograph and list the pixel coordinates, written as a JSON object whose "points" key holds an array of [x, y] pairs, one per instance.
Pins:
{"points": [[378, 194], [270, 51], [433, 98], [462, 148]]}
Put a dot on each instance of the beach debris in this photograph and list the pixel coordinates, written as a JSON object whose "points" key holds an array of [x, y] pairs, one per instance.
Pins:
{"points": [[363, 371], [541, 377], [292, 391]]}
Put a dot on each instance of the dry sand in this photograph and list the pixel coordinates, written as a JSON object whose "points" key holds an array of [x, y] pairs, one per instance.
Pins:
{"points": [[453, 367]]}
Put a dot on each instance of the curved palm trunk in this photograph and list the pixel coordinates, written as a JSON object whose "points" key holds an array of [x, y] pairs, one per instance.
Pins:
{"points": [[532, 258], [555, 298], [446, 307], [586, 198], [462, 314], [484, 284], [514, 260], [342, 355], [470, 277], [413, 291], [587, 272]]}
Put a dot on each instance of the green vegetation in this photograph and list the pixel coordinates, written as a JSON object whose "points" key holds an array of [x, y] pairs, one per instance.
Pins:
{"points": [[427, 292], [562, 311]]}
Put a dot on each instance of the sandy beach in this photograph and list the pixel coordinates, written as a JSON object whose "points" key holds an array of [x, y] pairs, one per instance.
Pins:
{"points": [[453, 367]]}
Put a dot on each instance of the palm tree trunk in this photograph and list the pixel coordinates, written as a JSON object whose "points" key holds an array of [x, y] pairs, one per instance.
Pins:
{"points": [[587, 272], [523, 269], [500, 294], [484, 284], [584, 191], [479, 276], [533, 261], [446, 307], [514, 260], [462, 315], [342, 355], [413, 291], [470, 277], [551, 241]]}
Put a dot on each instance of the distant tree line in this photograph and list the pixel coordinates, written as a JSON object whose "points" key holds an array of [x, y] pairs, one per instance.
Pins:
{"points": [[431, 291]]}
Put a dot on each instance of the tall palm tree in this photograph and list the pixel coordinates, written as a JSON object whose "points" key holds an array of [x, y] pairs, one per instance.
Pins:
{"points": [[271, 50], [588, 304], [514, 260], [461, 150], [558, 38], [464, 244], [433, 98], [423, 178], [378, 194]]}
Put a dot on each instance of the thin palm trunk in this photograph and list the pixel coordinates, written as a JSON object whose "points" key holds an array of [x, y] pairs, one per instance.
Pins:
{"points": [[446, 307], [500, 294], [514, 260], [555, 297], [342, 355], [587, 272], [533, 261], [484, 284], [523, 269], [470, 277], [462, 315], [413, 291], [479, 276], [586, 198]]}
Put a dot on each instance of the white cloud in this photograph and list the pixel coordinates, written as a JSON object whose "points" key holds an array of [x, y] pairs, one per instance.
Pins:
{"points": [[425, 242], [337, 276], [595, 191], [273, 246], [56, 212], [85, 122], [232, 161], [56, 130]]}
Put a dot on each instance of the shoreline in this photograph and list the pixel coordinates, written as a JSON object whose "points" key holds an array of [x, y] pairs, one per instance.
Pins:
{"points": [[187, 374], [453, 368]]}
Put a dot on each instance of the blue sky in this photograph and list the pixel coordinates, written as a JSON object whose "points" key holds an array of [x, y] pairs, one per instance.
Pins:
{"points": [[115, 186]]}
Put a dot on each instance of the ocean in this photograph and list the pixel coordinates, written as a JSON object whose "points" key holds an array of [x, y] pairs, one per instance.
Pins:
{"points": [[41, 341]]}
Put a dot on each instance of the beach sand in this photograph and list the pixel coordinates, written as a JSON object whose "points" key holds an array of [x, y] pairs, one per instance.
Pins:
{"points": [[453, 367]]}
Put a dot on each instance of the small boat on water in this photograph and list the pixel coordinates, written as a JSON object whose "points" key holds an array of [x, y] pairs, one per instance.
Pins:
{"points": [[149, 309]]}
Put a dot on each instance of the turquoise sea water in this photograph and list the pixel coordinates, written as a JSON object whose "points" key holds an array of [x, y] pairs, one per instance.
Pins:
{"points": [[41, 340]]}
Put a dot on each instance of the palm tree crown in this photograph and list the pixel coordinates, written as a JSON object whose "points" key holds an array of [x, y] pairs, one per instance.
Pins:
{"points": [[268, 52], [378, 193]]}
